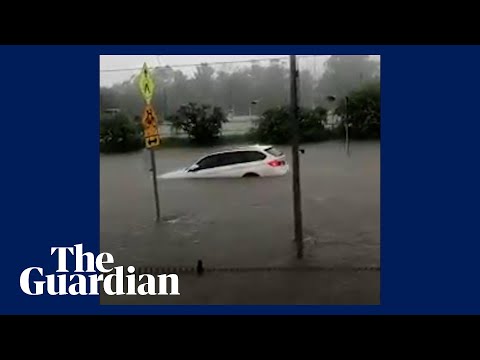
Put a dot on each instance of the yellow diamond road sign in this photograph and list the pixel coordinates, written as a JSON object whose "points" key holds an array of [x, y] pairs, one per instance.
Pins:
{"points": [[146, 84]]}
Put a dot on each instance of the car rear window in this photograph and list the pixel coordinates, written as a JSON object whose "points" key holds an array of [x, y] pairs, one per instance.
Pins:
{"points": [[249, 156], [274, 152]]}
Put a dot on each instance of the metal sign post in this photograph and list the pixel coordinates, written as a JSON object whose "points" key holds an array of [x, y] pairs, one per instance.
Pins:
{"points": [[150, 129], [155, 185], [347, 125]]}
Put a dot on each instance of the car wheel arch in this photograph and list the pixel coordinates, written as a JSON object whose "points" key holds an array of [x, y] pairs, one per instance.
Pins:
{"points": [[251, 174]]}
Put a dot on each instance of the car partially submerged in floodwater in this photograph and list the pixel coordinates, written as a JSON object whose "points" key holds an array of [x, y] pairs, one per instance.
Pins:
{"points": [[246, 161]]}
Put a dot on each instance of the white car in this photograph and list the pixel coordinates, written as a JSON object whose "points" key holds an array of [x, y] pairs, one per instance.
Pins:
{"points": [[248, 161]]}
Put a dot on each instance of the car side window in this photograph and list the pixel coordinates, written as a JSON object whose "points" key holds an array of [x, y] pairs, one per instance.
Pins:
{"points": [[223, 159], [240, 157], [235, 158], [229, 158], [208, 162]]}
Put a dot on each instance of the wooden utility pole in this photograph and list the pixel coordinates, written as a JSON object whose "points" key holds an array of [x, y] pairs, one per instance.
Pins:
{"points": [[297, 208]]}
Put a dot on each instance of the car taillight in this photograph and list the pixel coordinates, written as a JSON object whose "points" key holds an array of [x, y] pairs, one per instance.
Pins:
{"points": [[276, 163]]}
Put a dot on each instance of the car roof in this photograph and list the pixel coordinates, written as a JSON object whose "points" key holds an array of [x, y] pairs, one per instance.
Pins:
{"points": [[256, 147], [244, 148]]}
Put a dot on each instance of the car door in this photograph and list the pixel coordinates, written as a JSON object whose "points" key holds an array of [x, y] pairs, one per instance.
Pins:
{"points": [[221, 166], [228, 164], [217, 166]]}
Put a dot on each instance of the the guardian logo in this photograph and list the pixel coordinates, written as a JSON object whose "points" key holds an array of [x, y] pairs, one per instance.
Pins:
{"points": [[113, 280]]}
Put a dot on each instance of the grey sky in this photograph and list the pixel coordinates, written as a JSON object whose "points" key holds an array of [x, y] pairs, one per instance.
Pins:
{"points": [[112, 62], [108, 62]]}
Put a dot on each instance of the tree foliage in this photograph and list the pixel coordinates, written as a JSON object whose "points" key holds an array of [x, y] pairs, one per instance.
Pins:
{"points": [[202, 123], [118, 133], [345, 73], [356, 77], [274, 125], [235, 89], [362, 111], [312, 125]]}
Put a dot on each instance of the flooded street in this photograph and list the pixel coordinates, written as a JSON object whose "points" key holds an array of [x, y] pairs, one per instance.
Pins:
{"points": [[231, 241], [243, 222]]}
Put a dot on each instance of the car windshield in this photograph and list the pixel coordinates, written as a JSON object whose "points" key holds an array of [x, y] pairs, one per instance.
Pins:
{"points": [[274, 152]]}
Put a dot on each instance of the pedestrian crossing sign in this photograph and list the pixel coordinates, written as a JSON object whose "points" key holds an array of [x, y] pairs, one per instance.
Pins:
{"points": [[146, 84]]}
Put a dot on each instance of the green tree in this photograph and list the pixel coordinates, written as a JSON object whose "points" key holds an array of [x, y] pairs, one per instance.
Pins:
{"points": [[312, 125], [275, 125], [363, 110], [119, 133], [234, 87], [202, 123], [345, 73]]}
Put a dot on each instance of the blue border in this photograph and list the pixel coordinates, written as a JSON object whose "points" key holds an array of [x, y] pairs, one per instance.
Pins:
{"points": [[430, 196]]}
